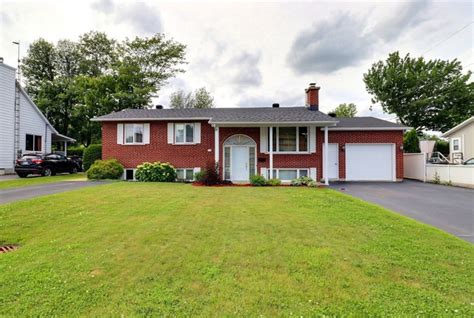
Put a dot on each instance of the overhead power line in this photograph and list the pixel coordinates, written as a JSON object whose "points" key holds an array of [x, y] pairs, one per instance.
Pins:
{"points": [[450, 36]]}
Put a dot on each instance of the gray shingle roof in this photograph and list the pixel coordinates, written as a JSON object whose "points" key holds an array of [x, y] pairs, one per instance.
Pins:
{"points": [[250, 115], [365, 122], [225, 115]]}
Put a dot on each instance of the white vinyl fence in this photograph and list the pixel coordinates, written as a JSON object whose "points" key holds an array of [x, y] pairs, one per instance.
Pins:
{"points": [[415, 167]]}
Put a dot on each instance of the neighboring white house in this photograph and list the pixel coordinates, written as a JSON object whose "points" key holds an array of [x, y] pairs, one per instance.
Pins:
{"points": [[23, 128], [461, 141]]}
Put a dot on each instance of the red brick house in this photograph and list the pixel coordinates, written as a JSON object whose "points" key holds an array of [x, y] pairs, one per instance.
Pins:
{"points": [[358, 149]]}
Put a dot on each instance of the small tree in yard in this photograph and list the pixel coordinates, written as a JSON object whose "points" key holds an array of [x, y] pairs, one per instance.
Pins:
{"points": [[91, 154], [411, 142]]}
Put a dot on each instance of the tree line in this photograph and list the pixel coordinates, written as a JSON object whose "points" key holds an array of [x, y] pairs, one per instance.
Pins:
{"points": [[74, 81]]}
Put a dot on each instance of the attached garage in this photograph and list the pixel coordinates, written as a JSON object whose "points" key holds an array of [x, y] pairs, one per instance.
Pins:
{"points": [[370, 162]]}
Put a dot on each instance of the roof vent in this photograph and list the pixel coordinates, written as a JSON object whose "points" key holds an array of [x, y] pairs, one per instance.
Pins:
{"points": [[332, 114], [276, 105], [1, 59], [158, 106]]}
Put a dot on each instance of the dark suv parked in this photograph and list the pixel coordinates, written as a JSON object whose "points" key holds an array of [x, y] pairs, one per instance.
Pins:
{"points": [[46, 165]]}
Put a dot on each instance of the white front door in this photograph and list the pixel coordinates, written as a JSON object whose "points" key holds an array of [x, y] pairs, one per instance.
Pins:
{"points": [[366, 162], [333, 161], [240, 163]]}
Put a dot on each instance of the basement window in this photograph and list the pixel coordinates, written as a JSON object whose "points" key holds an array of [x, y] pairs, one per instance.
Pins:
{"points": [[129, 174], [185, 174]]}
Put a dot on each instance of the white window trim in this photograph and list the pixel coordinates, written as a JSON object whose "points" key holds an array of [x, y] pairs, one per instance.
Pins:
{"points": [[133, 143], [277, 172], [34, 139], [184, 142], [192, 179], [459, 145], [277, 136]]}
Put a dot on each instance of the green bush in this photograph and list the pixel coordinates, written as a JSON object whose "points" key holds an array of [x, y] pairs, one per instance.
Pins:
{"points": [[258, 181], [75, 151], [155, 172], [211, 175], [91, 154], [411, 142], [199, 176], [274, 182], [105, 169], [442, 146], [302, 181]]}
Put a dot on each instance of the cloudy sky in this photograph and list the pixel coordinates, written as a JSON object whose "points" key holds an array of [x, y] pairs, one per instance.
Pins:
{"points": [[255, 54]]}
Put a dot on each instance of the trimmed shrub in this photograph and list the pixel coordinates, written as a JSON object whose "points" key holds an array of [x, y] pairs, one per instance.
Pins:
{"points": [[105, 169], [75, 151], [199, 176], [302, 181], [155, 172], [91, 154], [211, 175], [274, 182], [258, 181]]}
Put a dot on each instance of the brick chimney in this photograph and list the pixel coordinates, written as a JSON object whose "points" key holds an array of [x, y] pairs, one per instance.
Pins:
{"points": [[312, 96]]}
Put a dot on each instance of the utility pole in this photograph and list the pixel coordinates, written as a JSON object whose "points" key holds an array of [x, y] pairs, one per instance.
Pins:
{"points": [[16, 140]]}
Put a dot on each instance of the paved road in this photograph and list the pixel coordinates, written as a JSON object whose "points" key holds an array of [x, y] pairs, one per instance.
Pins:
{"points": [[28, 192], [448, 208]]}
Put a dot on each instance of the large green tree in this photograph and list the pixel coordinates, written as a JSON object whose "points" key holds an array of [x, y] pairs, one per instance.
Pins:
{"points": [[345, 110], [72, 82], [425, 95]]}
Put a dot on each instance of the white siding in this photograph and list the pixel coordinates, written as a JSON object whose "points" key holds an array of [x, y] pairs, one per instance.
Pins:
{"points": [[32, 123], [7, 104]]}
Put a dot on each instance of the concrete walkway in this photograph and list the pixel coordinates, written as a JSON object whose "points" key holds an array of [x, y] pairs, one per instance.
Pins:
{"points": [[448, 208], [28, 192]]}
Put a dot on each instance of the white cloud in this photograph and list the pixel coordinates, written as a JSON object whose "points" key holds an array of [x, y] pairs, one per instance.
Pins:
{"points": [[246, 54]]}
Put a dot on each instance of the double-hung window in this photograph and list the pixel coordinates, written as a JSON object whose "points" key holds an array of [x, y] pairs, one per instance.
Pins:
{"points": [[290, 139], [33, 142], [133, 133], [184, 133], [456, 144]]}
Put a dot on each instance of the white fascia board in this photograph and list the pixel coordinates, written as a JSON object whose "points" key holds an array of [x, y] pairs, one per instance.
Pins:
{"points": [[456, 128], [367, 128]]}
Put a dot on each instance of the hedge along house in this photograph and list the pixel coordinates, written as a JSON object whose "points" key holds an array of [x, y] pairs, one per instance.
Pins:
{"points": [[276, 142]]}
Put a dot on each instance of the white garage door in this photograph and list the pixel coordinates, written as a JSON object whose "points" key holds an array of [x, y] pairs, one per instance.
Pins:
{"points": [[365, 162]]}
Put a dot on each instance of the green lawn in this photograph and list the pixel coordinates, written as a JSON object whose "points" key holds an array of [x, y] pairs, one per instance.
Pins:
{"points": [[177, 250], [36, 180]]}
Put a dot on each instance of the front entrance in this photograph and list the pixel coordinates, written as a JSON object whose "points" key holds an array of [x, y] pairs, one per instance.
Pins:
{"points": [[240, 163], [333, 161], [239, 158]]}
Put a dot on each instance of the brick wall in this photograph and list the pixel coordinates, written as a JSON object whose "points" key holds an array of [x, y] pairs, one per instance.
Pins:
{"points": [[190, 156], [343, 137]]}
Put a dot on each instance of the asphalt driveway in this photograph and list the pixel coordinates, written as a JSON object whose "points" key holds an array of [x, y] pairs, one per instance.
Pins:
{"points": [[448, 208], [28, 192]]}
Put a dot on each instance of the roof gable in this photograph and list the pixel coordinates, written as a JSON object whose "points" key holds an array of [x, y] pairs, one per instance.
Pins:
{"points": [[459, 127]]}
